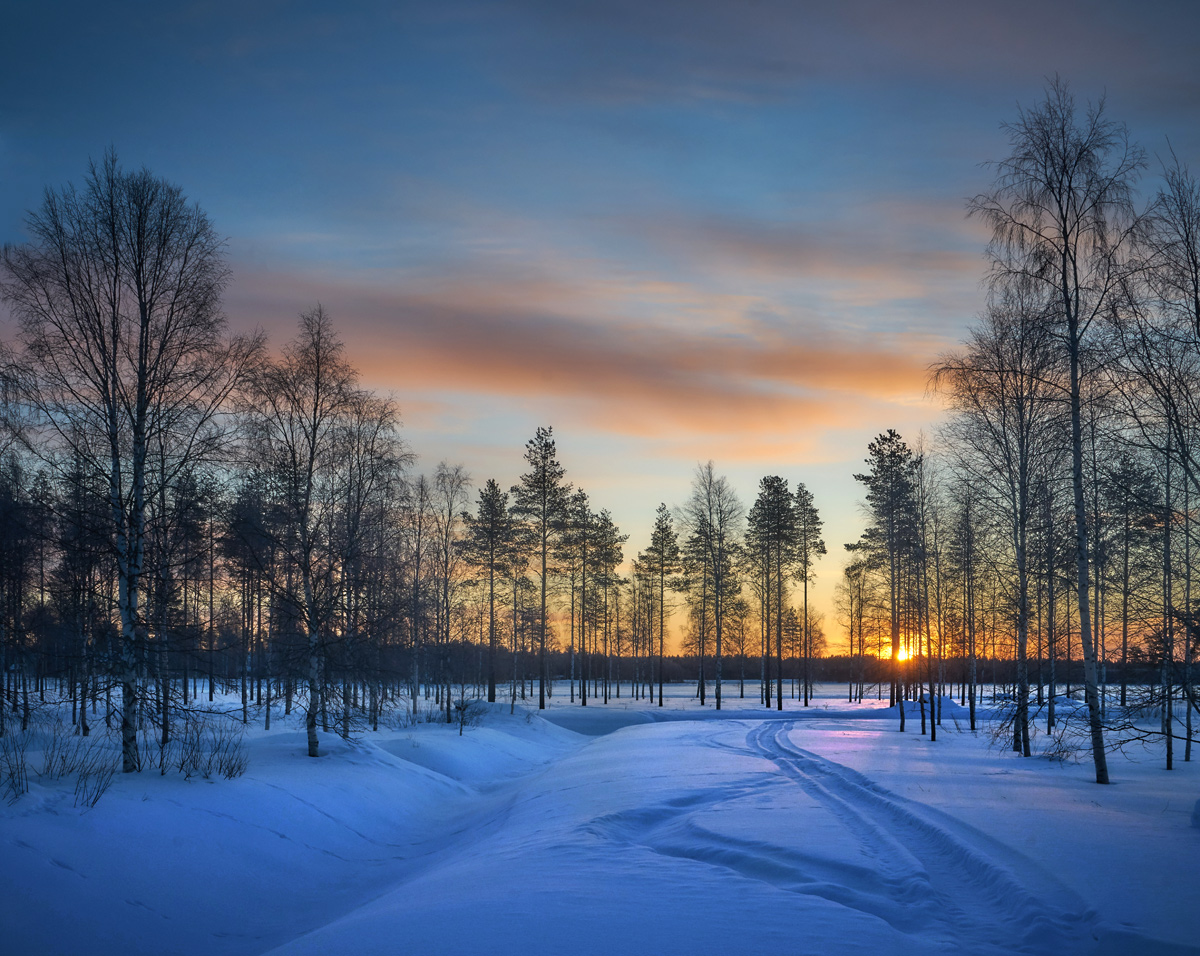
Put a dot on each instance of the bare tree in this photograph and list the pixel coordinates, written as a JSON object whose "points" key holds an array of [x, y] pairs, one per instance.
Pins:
{"points": [[370, 461], [417, 536], [1174, 279], [118, 297], [297, 407], [713, 516], [1004, 388], [450, 494], [853, 598], [1061, 214]]}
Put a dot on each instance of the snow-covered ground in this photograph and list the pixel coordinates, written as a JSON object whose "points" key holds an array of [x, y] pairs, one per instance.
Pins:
{"points": [[616, 829]]}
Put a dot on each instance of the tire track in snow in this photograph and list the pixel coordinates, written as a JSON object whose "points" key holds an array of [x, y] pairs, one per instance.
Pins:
{"points": [[954, 882], [670, 829]]}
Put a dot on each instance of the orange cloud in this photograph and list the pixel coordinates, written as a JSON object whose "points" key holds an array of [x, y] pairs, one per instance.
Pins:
{"points": [[625, 372]]}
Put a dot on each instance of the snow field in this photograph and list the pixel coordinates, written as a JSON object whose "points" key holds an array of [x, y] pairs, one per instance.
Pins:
{"points": [[615, 828]]}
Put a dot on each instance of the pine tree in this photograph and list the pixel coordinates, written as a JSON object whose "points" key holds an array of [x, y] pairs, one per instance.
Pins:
{"points": [[770, 539], [541, 499], [488, 534], [890, 535], [661, 561], [808, 547]]}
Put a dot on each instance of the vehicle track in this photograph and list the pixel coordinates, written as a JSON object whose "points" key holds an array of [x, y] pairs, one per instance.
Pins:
{"points": [[953, 882]]}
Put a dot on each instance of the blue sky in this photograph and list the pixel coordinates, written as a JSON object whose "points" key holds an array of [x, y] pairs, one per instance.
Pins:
{"points": [[674, 230]]}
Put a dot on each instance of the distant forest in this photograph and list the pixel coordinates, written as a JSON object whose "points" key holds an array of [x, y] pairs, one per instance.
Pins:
{"points": [[186, 512]]}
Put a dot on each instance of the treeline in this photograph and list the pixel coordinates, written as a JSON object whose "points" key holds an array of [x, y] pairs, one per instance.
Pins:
{"points": [[185, 512], [1055, 523]]}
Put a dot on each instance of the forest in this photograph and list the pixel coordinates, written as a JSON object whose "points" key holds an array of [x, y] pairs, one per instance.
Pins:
{"points": [[188, 511]]}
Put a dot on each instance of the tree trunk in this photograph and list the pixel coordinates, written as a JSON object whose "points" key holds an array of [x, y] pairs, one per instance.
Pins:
{"points": [[1090, 678]]}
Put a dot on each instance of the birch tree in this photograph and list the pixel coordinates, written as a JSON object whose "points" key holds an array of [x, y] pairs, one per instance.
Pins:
{"points": [[713, 515], [1062, 217], [296, 410], [1004, 389], [124, 356]]}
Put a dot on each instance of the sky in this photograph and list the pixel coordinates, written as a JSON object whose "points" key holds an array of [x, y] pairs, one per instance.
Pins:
{"points": [[673, 231]]}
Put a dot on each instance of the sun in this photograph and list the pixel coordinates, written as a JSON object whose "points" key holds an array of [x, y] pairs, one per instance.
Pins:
{"points": [[902, 654]]}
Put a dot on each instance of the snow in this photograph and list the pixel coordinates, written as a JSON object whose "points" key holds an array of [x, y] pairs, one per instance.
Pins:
{"points": [[615, 828]]}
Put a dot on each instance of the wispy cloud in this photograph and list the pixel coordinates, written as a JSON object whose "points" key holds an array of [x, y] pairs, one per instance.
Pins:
{"points": [[879, 253], [640, 376]]}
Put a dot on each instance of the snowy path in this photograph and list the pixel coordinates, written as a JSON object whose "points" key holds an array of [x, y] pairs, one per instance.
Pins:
{"points": [[932, 874]]}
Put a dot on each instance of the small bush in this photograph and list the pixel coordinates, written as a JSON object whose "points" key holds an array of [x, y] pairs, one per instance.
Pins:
{"points": [[93, 761], [225, 751], [94, 776], [198, 747], [433, 715], [58, 753], [14, 775], [468, 713], [189, 749], [402, 717]]}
